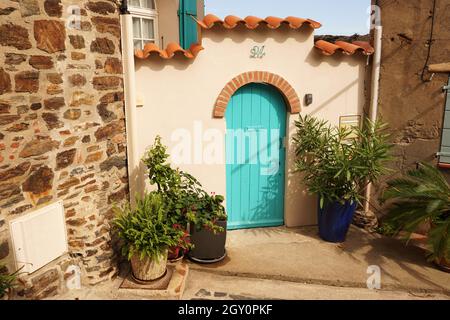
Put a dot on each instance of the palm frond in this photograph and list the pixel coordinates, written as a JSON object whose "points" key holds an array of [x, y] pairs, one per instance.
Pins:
{"points": [[422, 196]]}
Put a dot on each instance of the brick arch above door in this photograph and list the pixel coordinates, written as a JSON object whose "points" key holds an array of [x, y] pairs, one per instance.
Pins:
{"points": [[288, 92]]}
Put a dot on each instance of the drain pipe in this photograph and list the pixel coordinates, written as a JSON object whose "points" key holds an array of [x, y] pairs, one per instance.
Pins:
{"points": [[130, 96], [373, 112]]}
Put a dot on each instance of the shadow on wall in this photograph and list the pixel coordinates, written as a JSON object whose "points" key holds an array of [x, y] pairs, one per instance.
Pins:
{"points": [[241, 33], [156, 63], [301, 205], [315, 58], [138, 178], [335, 96], [237, 35]]}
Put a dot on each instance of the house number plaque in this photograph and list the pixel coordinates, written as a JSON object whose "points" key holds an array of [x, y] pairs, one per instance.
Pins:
{"points": [[257, 52]]}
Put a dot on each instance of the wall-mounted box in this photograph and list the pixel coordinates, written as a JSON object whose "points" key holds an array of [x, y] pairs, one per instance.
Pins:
{"points": [[39, 237]]}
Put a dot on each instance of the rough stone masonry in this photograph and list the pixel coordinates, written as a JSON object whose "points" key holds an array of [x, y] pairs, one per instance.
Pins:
{"points": [[413, 108], [62, 129]]}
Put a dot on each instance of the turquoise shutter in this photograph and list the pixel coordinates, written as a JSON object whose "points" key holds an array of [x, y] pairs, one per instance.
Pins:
{"points": [[188, 26], [444, 155]]}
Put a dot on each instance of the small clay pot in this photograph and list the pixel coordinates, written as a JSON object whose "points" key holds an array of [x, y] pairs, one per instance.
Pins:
{"points": [[176, 258]]}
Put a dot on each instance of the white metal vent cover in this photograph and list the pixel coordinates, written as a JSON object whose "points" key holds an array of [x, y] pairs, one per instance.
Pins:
{"points": [[39, 237]]}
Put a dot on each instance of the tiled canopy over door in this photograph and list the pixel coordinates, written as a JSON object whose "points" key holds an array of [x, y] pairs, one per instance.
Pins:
{"points": [[188, 25], [444, 155]]}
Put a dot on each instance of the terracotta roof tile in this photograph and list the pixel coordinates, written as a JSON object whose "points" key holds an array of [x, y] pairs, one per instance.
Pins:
{"points": [[347, 48], [171, 50], [252, 22]]}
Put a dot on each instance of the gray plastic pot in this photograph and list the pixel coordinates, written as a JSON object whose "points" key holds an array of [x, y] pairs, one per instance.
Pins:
{"points": [[208, 247]]}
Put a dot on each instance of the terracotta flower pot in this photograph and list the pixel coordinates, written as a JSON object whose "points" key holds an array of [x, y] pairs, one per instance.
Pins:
{"points": [[149, 269], [176, 254]]}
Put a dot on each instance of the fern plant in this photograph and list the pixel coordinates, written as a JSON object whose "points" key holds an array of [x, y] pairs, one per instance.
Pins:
{"points": [[146, 230], [422, 196]]}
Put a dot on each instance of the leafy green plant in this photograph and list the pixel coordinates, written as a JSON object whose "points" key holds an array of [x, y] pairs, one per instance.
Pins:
{"points": [[422, 196], [7, 280], [206, 211], [178, 188], [183, 194], [146, 230], [159, 170], [338, 163]]}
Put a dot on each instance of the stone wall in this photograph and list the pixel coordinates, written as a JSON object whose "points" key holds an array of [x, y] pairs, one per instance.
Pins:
{"points": [[413, 108], [62, 128]]}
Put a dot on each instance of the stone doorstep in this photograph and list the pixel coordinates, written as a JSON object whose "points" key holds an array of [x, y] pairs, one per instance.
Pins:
{"points": [[173, 290]]}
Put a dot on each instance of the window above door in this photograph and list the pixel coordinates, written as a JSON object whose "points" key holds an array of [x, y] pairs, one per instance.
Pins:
{"points": [[145, 22]]}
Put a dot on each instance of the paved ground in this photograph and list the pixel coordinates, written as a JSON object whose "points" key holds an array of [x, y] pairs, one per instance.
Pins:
{"points": [[281, 263], [210, 286], [298, 255]]}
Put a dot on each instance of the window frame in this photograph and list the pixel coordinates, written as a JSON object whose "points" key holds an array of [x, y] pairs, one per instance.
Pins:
{"points": [[145, 14]]}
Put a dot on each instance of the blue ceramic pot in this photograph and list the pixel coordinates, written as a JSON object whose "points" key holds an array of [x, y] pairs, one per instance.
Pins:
{"points": [[335, 219]]}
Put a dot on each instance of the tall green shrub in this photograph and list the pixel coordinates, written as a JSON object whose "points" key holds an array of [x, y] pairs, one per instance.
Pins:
{"points": [[183, 194], [337, 163]]}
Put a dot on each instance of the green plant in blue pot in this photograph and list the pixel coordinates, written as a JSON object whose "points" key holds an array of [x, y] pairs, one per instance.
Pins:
{"points": [[337, 164]]}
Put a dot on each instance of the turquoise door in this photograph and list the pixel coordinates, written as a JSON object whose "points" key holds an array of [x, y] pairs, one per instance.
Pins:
{"points": [[255, 154]]}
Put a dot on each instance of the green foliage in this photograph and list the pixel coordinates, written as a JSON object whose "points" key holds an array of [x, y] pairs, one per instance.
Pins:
{"points": [[387, 228], [7, 280], [146, 230], [206, 211], [422, 196], [183, 194], [159, 170], [337, 163]]}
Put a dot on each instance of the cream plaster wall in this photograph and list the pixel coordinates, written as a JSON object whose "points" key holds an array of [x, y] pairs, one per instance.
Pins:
{"points": [[179, 92]]}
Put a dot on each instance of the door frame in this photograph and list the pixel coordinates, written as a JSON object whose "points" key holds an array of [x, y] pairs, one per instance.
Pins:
{"points": [[267, 223], [291, 99]]}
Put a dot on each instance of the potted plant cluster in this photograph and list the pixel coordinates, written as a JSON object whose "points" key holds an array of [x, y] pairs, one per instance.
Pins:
{"points": [[191, 209], [337, 164], [422, 196], [208, 223], [147, 234], [7, 282]]}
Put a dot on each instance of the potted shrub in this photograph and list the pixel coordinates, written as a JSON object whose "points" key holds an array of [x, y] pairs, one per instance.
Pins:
{"points": [[208, 224], [188, 205], [422, 197], [337, 164], [7, 282], [147, 234], [177, 188]]}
